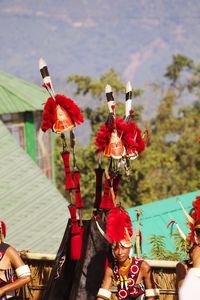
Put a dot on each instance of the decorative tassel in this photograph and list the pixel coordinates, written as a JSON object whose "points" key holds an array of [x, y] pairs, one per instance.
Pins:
{"points": [[76, 235], [72, 210], [76, 242], [76, 177], [69, 184], [98, 195], [107, 199]]}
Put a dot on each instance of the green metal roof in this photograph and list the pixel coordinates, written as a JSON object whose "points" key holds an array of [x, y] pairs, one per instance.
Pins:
{"points": [[34, 211], [156, 215], [17, 95]]}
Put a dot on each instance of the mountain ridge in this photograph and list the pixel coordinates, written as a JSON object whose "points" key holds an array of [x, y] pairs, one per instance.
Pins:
{"points": [[89, 37]]}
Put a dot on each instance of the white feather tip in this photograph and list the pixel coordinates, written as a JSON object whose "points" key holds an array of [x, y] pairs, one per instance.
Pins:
{"points": [[128, 87], [42, 63], [108, 89]]}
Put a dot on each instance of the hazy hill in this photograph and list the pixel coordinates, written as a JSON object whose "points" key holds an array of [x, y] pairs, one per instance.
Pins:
{"points": [[137, 38]]}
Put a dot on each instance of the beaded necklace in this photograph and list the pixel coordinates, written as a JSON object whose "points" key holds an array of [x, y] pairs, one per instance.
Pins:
{"points": [[127, 283]]}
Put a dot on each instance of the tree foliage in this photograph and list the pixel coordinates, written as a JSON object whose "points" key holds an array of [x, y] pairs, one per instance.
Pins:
{"points": [[159, 248], [85, 84]]}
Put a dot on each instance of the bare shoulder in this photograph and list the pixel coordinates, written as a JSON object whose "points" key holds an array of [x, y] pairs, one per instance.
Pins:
{"points": [[181, 266], [145, 266], [11, 251], [109, 271], [181, 271], [196, 249], [14, 257]]}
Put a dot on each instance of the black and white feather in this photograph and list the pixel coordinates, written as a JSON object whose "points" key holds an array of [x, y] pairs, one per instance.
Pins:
{"points": [[46, 77], [128, 103]]}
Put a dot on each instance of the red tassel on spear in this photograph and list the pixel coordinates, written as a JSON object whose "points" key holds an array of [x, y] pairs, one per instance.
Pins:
{"points": [[69, 184], [108, 199], [76, 174], [76, 235]]}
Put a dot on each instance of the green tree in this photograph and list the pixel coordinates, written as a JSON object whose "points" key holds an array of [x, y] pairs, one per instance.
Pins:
{"points": [[86, 85], [172, 160], [171, 164], [179, 64]]}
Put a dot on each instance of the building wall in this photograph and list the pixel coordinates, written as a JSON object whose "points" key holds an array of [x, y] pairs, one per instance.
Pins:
{"points": [[25, 127]]}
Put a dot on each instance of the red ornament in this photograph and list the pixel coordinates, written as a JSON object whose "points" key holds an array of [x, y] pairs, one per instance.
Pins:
{"points": [[60, 114]]}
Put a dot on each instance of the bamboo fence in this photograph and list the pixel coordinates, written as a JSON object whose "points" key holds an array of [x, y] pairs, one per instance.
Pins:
{"points": [[164, 275]]}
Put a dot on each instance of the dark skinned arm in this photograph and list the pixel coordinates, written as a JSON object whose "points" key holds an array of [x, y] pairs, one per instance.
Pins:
{"points": [[148, 279], [16, 262], [107, 281]]}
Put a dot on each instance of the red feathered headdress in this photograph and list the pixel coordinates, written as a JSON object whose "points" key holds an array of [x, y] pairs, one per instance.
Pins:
{"points": [[119, 227], [195, 222], [3, 228]]}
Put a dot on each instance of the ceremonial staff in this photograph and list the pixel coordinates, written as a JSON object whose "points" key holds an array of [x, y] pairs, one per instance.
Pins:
{"points": [[61, 114]]}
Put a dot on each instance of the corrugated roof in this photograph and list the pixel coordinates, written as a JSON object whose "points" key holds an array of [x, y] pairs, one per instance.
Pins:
{"points": [[17, 95], [157, 214], [35, 212]]}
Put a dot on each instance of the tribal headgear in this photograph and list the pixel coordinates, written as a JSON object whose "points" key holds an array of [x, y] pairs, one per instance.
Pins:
{"points": [[194, 220], [60, 112], [2, 229], [120, 138], [118, 227]]}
